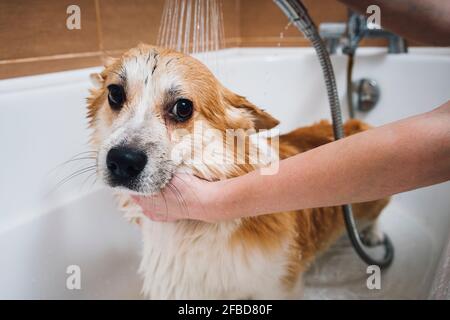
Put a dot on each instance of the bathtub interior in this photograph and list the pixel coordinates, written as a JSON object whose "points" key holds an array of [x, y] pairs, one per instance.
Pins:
{"points": [[43, 231]]}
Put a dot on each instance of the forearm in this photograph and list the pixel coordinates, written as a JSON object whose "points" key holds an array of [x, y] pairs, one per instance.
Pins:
{"points": [[397, 157], [422, 21]]}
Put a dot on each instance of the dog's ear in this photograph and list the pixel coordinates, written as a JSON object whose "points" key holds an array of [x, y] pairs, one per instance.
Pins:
{"points": [[97, 79], [108, 61], [261, 119]]}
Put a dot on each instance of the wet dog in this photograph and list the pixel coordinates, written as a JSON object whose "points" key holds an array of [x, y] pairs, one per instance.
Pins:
{"points": [[145, 113]]}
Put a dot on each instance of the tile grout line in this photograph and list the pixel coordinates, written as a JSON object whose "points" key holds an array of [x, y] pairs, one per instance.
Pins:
{"points": [[61, 56], [99, 25], [51, 57]]}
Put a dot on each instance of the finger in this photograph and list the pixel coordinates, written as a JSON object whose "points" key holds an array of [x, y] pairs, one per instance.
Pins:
{"points": [[159, 217], [152, 203], [159, 205], [151, 207]]}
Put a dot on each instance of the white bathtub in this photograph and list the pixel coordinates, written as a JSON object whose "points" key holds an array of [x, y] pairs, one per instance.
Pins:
{"points": [[42, 124]]}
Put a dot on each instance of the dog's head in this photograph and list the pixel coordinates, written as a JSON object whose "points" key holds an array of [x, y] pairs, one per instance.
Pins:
{"points": [[148, 104]]}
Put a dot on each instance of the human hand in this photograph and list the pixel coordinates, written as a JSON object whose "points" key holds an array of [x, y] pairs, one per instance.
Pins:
{"points": [[184, 197]]}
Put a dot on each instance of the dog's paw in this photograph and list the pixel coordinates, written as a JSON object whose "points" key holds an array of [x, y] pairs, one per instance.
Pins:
{"points": [[372, 236]]}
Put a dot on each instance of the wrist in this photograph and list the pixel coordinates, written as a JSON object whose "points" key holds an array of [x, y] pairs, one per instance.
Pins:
{"points": [[220, 201]]}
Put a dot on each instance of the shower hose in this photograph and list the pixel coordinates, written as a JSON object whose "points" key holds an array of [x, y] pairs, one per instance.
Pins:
{"points": [[299, 16]]}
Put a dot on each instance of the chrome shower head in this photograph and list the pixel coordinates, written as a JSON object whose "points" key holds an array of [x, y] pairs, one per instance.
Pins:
{"points": [[298, 15]]}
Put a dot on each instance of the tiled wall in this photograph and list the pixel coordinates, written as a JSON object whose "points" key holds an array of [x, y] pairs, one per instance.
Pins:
{"points": [[34, 38], [262, 22]]}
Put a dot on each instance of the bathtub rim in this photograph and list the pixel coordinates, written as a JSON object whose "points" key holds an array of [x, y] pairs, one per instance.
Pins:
{"points": [[79, 75]]}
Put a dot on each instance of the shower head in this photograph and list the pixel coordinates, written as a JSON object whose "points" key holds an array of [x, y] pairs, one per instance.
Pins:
{"points": [[298, 15]]}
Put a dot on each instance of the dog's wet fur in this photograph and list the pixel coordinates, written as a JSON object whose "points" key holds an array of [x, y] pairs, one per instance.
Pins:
{"points": [[251, 258]]}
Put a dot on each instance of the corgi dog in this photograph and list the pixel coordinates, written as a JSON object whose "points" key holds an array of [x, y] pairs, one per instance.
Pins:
{"points": [[143, 113]]}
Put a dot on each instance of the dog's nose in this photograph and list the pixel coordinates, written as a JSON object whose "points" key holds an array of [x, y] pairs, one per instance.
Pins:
{"points": [[125, 163]]}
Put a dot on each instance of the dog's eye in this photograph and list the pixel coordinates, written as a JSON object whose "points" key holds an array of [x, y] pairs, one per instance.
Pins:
{"points": [[116, 96], [182, 110]]}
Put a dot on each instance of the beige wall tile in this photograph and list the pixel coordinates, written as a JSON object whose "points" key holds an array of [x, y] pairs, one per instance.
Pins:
{"points": [[262, 21], [11, 70], [231, 16], [38, 28], [127, 23]]}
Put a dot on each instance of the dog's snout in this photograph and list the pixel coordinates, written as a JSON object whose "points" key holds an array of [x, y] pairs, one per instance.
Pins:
{"points": [[125, 163]]}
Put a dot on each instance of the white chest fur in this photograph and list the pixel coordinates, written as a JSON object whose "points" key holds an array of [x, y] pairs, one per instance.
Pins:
{"points": [[194, 260]]}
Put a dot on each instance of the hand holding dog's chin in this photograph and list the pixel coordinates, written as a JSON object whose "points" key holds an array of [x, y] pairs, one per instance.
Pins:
{"points": [[186, 197]]}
